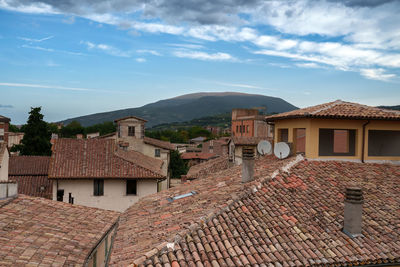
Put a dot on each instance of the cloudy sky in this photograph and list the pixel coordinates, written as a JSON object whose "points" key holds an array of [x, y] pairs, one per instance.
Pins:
{"points": [[80, 57]]}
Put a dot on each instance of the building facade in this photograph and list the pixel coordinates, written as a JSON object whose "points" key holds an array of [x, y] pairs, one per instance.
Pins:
{"points": [[341, 130], [248, 123], [98, 173]]}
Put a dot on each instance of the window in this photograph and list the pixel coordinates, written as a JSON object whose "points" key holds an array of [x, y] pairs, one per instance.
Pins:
{"points": [[157, 152], [247, 128], [131, 187], [119, 131], [98, 187], [60, 195], [383, 143], [142, 132], [1, 134], [337, 142], [131, 130], [283, 135], [237, 128], [340, 141]]}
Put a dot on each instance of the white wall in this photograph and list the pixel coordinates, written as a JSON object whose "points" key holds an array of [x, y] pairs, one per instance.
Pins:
{"points": [[114, 197], [4, 166]]}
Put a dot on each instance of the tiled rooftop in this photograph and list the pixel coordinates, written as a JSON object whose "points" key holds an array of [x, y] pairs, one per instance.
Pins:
{"points": [[339, 109], [4, 119], [99, 158], [154, 220], [28, 165], [208, 167], [41, 232], [198, 155], [31, 174], [283, 219], [159, 143]]}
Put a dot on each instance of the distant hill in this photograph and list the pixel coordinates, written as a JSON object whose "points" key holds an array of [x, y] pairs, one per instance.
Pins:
{"points": [[391, 107], [220, 120], [190, 106]]}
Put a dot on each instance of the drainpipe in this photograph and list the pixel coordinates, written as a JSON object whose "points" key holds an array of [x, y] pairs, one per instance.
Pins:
{"points": [[363, 141]]}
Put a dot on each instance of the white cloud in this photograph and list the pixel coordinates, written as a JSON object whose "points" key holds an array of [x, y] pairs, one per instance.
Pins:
{"points": [[376, 74], [35, 8], [204, 56], [31, 40], [107, 49], [51, 50], [242, 85], [140, 60], [308, 65], [146, 51], [45, 86]]}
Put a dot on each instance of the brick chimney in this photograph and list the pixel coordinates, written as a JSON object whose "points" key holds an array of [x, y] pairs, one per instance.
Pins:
{"points": [[353, 211], [248, 164]]}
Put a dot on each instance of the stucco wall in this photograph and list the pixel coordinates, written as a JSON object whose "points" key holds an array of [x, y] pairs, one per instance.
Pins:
{"points": [[114, 197], [4, 166], [312, 127]]}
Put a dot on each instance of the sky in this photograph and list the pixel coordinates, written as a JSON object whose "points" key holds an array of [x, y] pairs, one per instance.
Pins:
{"points": [[75, 58]]}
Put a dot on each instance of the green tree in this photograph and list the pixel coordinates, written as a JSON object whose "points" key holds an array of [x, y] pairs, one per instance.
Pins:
{"points": [[177, 166], [13, 128], [37, 136], [72, 129]]}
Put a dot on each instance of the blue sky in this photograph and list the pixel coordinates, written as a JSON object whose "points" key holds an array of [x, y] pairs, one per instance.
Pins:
{"points": [[79, 58]]}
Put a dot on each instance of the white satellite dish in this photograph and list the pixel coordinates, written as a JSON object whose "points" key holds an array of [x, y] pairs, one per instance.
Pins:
{"points": [[282, 150], [264, 147]]}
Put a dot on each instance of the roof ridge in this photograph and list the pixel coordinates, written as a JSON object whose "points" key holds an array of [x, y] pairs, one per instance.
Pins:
{"points": [[335, 103], [380, 109], [217, 211], [136, 164]]}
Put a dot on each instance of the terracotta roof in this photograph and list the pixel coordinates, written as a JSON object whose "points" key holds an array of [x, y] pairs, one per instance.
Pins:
{"points": [[208, 167], [247, 141], [28, 165], [98, 158], [154, 220], [130, 117], [159, 143], [198, 155], [39, 231], [143, 160], [290, 218], [339, 110], [4, 119], [31, 174]]}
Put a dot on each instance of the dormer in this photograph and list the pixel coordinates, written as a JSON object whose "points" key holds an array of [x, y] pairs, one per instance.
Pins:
{"points": [[130, 127]]}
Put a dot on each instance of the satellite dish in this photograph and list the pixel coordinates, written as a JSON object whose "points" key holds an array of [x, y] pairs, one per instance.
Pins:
{"points": [[264, 147], [282, 150]]}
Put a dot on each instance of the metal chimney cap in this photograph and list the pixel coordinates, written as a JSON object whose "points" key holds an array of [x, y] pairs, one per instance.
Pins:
{"points": [[354, 195]]}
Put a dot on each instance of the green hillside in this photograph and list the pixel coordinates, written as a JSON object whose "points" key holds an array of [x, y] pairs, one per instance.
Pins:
{"points": [[188, 107]]}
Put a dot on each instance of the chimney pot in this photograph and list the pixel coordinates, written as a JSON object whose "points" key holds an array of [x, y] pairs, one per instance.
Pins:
{"points": [[353, 211]]}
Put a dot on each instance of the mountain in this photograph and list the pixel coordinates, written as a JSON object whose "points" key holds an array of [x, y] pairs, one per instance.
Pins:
{"points": [[391, 107], [188, 107]]}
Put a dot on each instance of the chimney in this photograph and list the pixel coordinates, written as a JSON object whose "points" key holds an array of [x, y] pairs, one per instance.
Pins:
{"points": [[248, 164], [353, 212]]}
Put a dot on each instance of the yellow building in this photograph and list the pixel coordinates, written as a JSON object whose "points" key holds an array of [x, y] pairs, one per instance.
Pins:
{"points": [[340, 130]]}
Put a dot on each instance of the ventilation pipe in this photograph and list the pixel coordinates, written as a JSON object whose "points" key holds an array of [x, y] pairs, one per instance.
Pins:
{"points": [[248, 164], [353, 212]]}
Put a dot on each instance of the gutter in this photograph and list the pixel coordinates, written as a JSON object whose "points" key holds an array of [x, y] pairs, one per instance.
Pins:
{"points": [[363, 142]]}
